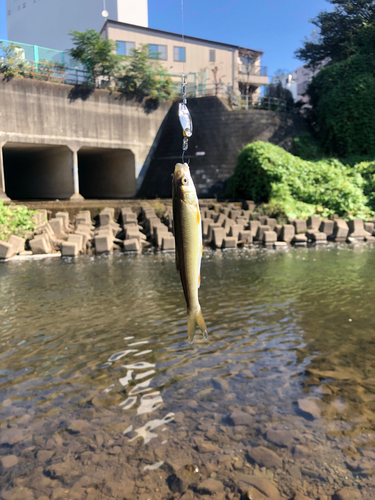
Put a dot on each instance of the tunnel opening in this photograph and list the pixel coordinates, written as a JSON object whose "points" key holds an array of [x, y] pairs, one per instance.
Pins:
{"points": [[106, 173], [38, 171]]}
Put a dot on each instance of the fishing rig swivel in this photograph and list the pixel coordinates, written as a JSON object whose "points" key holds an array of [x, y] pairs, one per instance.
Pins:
{"points": [[185, 118]]}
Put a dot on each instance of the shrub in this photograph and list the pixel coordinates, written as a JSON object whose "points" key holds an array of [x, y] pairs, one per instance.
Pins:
{"points": [[17, 220], [292, 187]]}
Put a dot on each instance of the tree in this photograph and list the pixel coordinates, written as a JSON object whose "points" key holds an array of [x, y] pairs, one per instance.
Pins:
{"points": [[95, 53], [338, 31], [279, 92], [145, 77]]}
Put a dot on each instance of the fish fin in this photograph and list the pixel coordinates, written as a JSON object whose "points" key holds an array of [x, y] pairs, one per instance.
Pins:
{"points": [[199, 280], [194, 320]]}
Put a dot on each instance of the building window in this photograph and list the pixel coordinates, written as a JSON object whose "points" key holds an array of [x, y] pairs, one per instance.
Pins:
{"points": [[179, 54], [157, 51], [212, 56], [124, 48]]}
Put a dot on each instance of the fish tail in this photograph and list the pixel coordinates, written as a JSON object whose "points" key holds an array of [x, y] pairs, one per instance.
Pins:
{"points": [[194, 320]]}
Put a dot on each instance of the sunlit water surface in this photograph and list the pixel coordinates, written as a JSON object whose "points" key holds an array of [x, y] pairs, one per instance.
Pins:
{"points": [[101, 396]]}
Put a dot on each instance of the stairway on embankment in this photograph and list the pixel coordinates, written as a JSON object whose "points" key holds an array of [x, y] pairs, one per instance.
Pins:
{"points": [[219, 135]]}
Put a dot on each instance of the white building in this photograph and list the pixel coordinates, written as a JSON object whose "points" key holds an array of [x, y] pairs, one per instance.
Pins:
{"points": [[304, 77], [47, 22]]}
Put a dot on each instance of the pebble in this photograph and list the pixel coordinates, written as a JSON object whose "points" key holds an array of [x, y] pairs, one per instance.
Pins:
{"points": [[240, 418], [309, 406], [347, 494], [8, 461], [11, 437], [264, 457]]}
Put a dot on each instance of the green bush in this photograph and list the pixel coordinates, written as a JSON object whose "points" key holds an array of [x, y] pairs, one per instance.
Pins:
{"points": [[17, 220], [306, 147], [292, 187]]}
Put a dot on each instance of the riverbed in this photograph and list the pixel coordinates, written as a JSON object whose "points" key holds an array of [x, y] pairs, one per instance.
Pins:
{"points": [[101, 396]]}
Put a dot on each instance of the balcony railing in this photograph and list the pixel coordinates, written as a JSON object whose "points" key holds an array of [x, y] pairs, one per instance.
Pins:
{"points": [[252, 70]]}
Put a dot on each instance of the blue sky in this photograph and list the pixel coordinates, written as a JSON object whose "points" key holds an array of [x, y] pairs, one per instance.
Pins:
{"points": [[276, 27]]}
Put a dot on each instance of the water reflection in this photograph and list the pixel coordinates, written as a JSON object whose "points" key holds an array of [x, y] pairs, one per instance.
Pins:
{"points": [[284, 370]]}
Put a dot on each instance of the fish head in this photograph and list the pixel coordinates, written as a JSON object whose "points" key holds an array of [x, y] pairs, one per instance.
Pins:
{"points": [[183, 186]]}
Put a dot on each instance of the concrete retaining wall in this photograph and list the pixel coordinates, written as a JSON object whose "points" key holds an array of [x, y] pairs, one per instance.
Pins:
{"points": [[218, 137], [40, 113]]}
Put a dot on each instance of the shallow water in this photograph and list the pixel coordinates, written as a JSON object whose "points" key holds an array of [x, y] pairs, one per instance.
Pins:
{"points": [[101, 396]]}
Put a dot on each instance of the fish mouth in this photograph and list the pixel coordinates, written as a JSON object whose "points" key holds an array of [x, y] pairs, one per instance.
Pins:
{"points": [[181, 168]]}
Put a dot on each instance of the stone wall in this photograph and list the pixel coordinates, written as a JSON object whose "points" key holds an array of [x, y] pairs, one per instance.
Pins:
{"points": [[218, 137]]}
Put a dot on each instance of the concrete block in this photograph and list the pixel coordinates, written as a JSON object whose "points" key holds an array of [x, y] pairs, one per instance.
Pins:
{"points": [[69, 249], [242, 221], [269, 237], [246, 214], [159, 229], [300, 226], [234, 213], [227, 224], [132, 245], [263, 219], [253, 226], [316, 236], [85, 229], [17, 242], [246, 236], [103, 244], [230, 242], [85, 238], [271, 223], [340, 230], [260, 231], [76, 238], [249, 205], [211, 228], [219, 234], [109, 210], [326, 227], [6, 250], [205, 223], [168, 243], [280, 245], [57, 225], [134, 233], [159, 233], [287, 233], [105, 218], [219, 218], [40, 245], [356, 229], [226, 211], [129, 217], [369, 227], [65, 217], [277, 230], [150, 223], [235, 230], [299, 240], [313, 222]]}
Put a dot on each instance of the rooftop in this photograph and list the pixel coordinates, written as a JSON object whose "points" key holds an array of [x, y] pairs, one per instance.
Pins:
{"points": [[177, 35]]}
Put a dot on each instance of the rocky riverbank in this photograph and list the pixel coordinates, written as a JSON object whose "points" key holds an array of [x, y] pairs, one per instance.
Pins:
{"points": [[150, 224]]}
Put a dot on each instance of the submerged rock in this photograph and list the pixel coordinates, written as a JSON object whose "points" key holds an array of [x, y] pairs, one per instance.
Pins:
{"points": [[264, 457], [309, 405]]}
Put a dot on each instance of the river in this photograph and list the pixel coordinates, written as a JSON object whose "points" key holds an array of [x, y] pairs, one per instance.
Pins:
{"points": [[101, 396]]}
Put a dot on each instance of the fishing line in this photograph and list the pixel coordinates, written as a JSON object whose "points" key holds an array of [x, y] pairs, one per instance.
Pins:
{"points": [[183, 112]]}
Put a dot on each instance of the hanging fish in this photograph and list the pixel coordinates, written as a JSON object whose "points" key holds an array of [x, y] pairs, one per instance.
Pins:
{"points": [[188, 237]]}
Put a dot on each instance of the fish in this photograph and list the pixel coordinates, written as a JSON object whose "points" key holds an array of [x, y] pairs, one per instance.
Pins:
{"points": [[189, 247]]}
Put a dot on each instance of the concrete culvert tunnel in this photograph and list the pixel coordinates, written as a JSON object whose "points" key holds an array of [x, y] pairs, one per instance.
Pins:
{"points": [[106, 173], [38, 171]]}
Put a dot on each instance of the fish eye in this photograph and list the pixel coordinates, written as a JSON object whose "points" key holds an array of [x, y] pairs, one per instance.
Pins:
{"points": [[184, 181]]}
